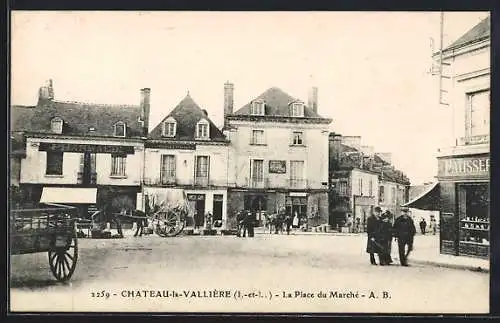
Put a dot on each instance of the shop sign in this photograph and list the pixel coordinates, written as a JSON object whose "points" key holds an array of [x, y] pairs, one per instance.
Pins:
{"points": [[298, 194], [470, 166], [83, 148], [277, 166]]}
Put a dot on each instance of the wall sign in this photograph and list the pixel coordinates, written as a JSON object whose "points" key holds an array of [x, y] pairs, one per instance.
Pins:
{"points": [[196, 197], [82, 148], [277, 166], [468, 166], [172, 145]]}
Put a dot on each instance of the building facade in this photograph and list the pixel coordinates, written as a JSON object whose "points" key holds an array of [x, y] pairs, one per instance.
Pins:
{"points": [[361, 180], [187, 153], [278, 156], [464, 168], [77, 153]]}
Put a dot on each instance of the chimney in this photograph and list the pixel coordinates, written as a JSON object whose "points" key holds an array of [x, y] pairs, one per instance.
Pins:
{"points": [[46, 92], [313, 99], [228, 100], [145, 109]]}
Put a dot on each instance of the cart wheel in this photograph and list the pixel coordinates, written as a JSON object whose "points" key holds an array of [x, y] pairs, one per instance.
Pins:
{"points": [[170, 224], [62, 260]]}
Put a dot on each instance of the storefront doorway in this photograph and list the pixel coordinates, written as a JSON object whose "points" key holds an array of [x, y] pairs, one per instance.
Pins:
{"points": [[197, 205], [217, 207], [257, 205], [297, 206]]}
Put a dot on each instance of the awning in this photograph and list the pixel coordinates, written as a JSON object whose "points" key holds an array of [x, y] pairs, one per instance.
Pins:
{"points": [[428, 200], [69, 195]]}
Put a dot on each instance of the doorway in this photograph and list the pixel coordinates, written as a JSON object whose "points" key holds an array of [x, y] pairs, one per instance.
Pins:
{"points": [[197, 204], [217, 207]]}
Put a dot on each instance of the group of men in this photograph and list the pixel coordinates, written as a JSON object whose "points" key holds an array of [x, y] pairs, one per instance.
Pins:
{"points": [[380, 233]]}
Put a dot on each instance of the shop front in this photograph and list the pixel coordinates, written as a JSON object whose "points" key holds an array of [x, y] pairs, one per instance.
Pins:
{"points": [[464, 205]]}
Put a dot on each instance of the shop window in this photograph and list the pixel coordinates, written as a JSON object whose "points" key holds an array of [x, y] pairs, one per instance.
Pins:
{"points": [[54, 163], [118, 164]]}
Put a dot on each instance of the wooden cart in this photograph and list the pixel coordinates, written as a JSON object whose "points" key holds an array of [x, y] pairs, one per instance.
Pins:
{"points": [[52, 230]]}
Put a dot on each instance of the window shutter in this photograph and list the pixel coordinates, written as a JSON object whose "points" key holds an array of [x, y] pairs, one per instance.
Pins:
{"points": [[208, 168]]}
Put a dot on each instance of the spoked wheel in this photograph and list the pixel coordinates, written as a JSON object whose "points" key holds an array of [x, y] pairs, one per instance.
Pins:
{"points": [[169, 224], [62, 259]]}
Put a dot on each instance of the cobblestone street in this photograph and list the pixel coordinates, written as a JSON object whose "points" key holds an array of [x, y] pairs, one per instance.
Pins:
{"points": [[273, 265]]}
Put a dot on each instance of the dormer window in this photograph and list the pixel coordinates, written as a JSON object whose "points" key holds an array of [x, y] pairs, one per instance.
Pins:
{"points": [[202, 129], [257, 108], [120, 129], [56, 125], [169, 128], [297, 109]]}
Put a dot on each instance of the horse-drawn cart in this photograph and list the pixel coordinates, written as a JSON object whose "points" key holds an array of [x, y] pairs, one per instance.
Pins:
{"points": [[50, 230]]}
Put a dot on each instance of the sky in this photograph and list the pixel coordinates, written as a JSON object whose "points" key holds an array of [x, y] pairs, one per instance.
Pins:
{"points": [[371, 68]]}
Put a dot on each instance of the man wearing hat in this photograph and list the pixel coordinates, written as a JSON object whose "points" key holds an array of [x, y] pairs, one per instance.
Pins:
{"points": [[372, 227], [404, 230]]}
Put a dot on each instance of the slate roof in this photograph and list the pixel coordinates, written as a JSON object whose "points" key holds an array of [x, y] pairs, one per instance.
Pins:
{"points": [[78, 117], [187, 114], [276, 104], [478, 32]]}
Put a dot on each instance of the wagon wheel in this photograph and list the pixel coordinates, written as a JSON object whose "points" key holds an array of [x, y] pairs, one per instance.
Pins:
{"points": [[169, 224], [62, 260]]}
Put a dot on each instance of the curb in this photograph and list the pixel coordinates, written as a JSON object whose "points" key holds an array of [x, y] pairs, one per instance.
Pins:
{"points": [[448, 265]]}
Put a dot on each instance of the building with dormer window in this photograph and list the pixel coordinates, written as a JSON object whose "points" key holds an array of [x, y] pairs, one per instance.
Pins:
{"points": [[279, 156], [76, 153], [187, 152]]}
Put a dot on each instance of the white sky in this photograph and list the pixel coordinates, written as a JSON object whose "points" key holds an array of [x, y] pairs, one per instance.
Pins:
{"points": [[371, 68]]}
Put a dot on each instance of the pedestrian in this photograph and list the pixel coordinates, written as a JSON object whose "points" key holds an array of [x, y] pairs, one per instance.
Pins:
{"points": [[288, 223], [384, 239], [250, 224], [349, 223], [404, 231], [295, 222], [423, 225], [358, 225], [240, 218], [433, 225], [372, 223]]}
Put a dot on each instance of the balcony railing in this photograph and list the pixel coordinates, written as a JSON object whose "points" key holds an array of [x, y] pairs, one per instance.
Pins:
{"points": [[91, 178], [258, 182], [201, 181], [297, 183], [168, 180]]}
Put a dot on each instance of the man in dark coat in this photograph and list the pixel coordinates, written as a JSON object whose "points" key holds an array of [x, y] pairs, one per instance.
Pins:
{"points": [[372, 224], [383, 237], [404, 230], [250, 223]]}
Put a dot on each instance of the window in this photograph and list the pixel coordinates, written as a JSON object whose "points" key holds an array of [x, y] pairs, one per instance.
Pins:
{"points": [[202, 166], [298, 138], [296, 173], [56, 125], [371, 188], [360, 186], [120, 129], [54, 163], [118, 163], [167, 168], [394, 196], [202, 130], [257, 108], [258, 137], [343, 188], [169, 128], [381, 194], [257, 171], [478, 113], [297, 109]]}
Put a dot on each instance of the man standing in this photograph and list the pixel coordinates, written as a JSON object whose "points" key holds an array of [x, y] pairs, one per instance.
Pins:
{"points": [[404, 231], [372, 224], [423, 225]]}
